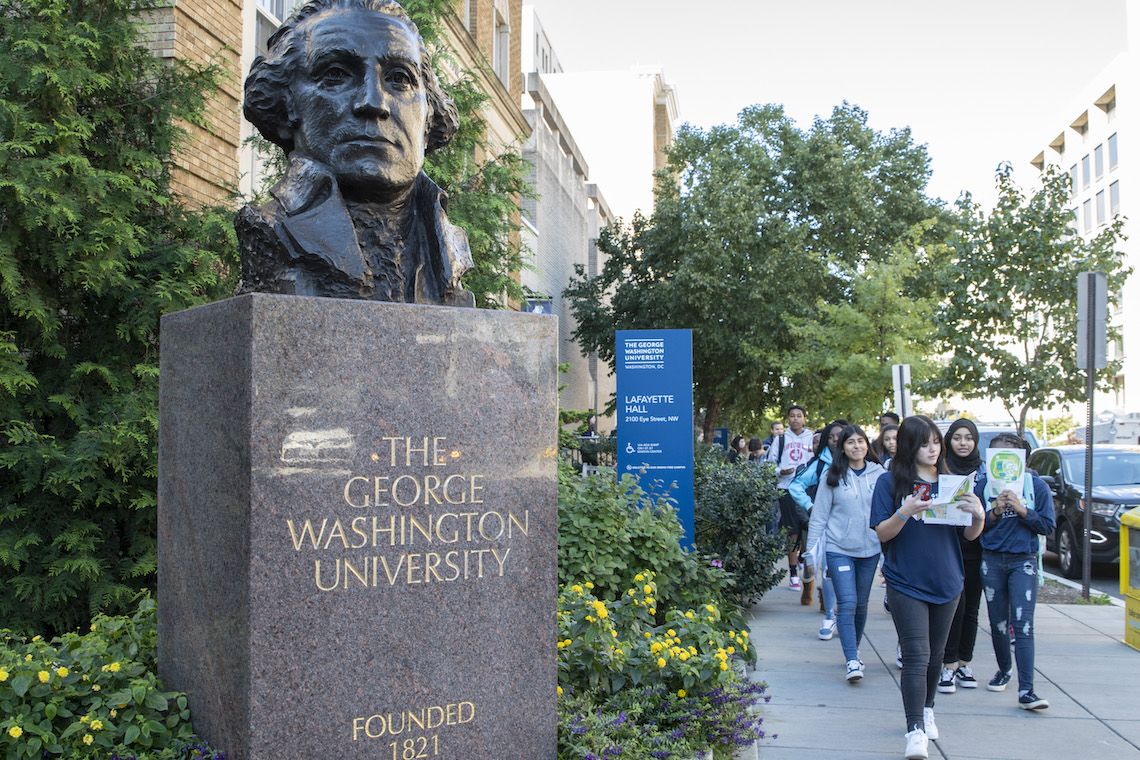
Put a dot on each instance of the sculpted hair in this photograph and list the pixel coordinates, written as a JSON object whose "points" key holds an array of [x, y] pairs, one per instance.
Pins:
{"points": [[267, 86], [914, 433]]}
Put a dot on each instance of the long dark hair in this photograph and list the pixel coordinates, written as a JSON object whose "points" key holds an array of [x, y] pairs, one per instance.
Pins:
{"points": [[840, 464], [914, 433], [969, 463], [879, 446], [826, 433]]}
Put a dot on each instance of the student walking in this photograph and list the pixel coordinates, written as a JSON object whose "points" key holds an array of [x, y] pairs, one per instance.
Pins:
{"points": [[789, 451], [1010, 571], [923, 568], [803, 490], [963, 458], [840, 519]]}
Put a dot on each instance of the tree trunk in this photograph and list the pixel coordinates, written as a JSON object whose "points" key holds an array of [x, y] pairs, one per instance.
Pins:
{"points": [[712, 410]]}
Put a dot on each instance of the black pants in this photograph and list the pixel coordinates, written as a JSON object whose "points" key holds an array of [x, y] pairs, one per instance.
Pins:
{"points": [[964, 629], [922, 628]]}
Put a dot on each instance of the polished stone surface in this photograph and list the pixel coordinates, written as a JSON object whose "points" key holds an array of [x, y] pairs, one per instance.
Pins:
{"points": [[329, 582]]}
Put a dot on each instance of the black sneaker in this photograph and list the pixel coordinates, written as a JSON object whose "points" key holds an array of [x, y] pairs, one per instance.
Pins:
{"points": [[946, 682], [1030, 701], [999, 681], [965, 677]]}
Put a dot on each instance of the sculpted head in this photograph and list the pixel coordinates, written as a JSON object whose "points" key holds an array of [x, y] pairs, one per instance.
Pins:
{"points": [[349, 84]]}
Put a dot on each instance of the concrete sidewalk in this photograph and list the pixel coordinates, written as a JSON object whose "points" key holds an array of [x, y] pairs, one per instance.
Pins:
{"points": [[1090, 677]]}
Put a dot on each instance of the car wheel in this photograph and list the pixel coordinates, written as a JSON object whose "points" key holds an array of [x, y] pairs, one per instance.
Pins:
{"points": [[1067, 555]]}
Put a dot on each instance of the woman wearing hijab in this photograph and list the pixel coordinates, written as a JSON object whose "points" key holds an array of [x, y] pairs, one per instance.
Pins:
{"points": [[963, 458]]}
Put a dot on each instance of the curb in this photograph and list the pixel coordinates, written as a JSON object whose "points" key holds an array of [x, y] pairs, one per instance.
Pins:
{"points": [[1092, 591]]}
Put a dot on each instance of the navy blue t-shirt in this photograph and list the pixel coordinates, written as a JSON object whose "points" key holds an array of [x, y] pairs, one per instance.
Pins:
{"points": [[922, 561]]}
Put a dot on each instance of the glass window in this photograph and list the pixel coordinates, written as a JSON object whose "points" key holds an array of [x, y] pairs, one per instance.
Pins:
{"points": [[1047, 463], [1098, 160], [1114, 199], [1100, 207], [1085, 173], [1112, 157], [1073, 180], [1087, 214], [1110, 468]]}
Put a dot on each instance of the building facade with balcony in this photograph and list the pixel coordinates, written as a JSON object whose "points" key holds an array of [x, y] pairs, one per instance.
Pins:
{"points": [[1096, 141]]}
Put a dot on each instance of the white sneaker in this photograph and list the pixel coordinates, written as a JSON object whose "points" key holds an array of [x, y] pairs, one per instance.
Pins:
{"points": [[854, 670], [917, 745], [827, 630], [794, 583], [928, 721]]}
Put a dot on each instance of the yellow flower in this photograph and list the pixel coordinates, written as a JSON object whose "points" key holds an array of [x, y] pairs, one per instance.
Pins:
{"points": [[589, 585], [576, 589], [589, 618], [744, 634], [724, 666], [652, 610], [96, 724], [710, 608], [683, 655], [93, 627], [660, 662], [114, 713], [27, 658], [114, 667], [690, 615], [44, 676], [4, 673], [614, 634], [96, 687], [15, 732], [37, 638], [682, 693], [731, 650], [648, 635], [647, 589], [88, 738], [560, 691], [640, 577], [62, 672], [85, 719], [670, 633]]}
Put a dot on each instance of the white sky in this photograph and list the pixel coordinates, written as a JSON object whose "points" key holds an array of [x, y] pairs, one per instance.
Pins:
{"points": [[977, 81]]}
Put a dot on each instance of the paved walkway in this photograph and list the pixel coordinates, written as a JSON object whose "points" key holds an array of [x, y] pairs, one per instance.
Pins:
{"points": [[1090, 677]]}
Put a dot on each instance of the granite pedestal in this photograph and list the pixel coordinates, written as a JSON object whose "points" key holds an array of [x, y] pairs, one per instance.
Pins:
{"points": [[357, 528]]}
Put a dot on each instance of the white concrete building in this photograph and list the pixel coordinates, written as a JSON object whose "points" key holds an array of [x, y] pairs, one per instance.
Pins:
{"points": [[561, 225], [1096, 139]]}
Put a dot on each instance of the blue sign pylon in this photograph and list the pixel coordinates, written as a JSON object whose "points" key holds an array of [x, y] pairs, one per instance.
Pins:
{"points": [[655, 415]]}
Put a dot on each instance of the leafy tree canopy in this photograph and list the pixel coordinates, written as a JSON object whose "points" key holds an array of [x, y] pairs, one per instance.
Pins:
{"points": [[1009, 321], [93, 249], [756, 225]]}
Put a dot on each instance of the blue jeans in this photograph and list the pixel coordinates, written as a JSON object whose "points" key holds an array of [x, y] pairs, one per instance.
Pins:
{"points": [[827, 588], [1009, 582], [852, 577]]}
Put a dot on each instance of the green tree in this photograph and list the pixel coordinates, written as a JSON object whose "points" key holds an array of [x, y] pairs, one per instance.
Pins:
{"points": [[848, 348], [755, 223], [93, 249], [1009, 320]]}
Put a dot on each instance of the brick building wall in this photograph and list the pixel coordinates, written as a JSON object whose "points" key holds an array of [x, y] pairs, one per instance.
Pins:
{"points": [[205, 32]]}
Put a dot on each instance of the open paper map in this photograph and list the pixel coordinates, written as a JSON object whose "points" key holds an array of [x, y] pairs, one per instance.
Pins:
{"points": [[942, 509]]}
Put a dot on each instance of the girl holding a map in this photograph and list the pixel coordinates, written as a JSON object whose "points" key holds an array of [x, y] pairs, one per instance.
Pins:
{"points": [[1020, 508], [923, 567]]}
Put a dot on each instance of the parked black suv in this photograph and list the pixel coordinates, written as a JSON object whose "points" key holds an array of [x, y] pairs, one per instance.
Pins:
{"points": [[1116, 489]]}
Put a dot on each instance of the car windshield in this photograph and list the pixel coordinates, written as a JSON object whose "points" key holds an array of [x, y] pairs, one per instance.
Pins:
{"points": [[988, 435], [1110, 468]]}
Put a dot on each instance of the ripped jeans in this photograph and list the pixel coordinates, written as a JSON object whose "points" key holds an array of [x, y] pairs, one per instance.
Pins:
{"points": [[1009, 582]]}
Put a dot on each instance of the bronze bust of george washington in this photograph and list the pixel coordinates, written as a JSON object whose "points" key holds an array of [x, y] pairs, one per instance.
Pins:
{"points": [[348, 92]]}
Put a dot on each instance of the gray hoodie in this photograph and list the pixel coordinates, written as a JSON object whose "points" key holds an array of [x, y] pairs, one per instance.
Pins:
{"points": [[842, 515]]}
